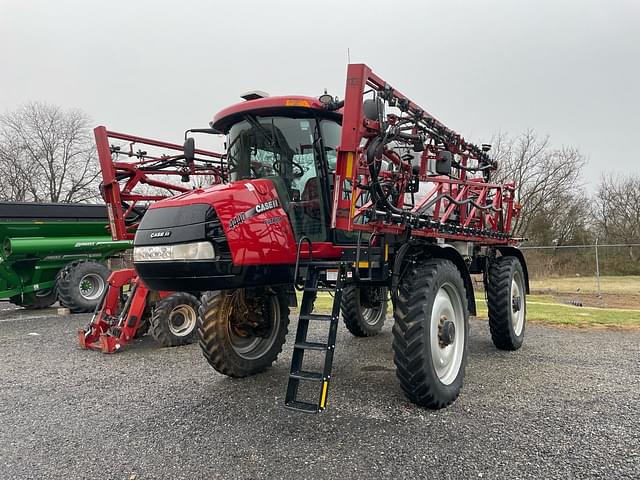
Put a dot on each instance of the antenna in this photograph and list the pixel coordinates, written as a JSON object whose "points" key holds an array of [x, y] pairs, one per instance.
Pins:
{"points": [[348, 56]]}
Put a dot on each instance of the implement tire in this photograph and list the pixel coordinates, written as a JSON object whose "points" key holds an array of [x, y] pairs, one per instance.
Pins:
{"points": [[36, 300], [230, 350], [430, 333], [507, 303], [174, 320], [364, 309], [81, 285]]}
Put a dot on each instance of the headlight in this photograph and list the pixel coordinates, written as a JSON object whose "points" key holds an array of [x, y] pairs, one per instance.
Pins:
{"points": [[167, 253]]}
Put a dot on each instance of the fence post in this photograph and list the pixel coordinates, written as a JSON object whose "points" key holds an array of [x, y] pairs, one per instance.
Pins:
{"points": [[597, 268]]}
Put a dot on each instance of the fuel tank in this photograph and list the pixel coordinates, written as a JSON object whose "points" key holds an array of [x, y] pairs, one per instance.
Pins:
{"points": [[223, 237]]}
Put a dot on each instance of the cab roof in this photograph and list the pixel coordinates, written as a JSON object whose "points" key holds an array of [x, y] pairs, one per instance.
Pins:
{"points": [[223, 120]]}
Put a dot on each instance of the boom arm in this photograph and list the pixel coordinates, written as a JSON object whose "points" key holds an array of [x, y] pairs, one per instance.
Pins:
{"points": [[377, 175]]}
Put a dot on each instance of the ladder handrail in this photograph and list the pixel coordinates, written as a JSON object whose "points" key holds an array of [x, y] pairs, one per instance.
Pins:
{"points": [[356, 270], [304, 238]]}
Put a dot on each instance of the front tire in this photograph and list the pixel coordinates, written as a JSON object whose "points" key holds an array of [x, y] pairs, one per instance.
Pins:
{"points": [[507, 303], [174, 320], [242, 331], [364, 309], [430, 333]]}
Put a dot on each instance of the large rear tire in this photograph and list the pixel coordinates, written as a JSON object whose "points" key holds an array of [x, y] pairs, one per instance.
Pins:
{"points": [[242, 331], [174, 320], [364, 309], [430, 333], [81, 285], [507, 303]]}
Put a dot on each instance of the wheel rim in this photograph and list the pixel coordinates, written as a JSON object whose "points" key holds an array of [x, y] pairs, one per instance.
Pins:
{"points": [[371, 315], [253, 347], [447, 310], [91, 286], [182, 320], [517, 304]]}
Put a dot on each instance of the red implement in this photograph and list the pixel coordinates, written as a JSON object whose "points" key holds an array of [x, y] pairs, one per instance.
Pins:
{"points": [[134, 175]]}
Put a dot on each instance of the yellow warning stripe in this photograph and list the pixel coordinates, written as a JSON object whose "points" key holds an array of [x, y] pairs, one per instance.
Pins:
{"points": [[323, 398], [349, 169], [354, 197]]}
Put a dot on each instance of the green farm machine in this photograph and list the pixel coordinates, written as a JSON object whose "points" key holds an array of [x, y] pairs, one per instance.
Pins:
{"points": [[55, 252]]}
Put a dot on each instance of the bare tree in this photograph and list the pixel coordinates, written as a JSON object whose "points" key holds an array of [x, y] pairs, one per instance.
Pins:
{"points": [[617, 209], [47, 154], [544, 177], [564, 220], [14, 176]]}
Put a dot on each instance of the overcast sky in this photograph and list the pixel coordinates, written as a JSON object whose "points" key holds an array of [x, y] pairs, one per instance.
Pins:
{"points": [[569, 69]]}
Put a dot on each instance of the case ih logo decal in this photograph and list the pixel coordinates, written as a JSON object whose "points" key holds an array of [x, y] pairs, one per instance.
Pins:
{"points": [[252, 212], [166, 233], [266, 206]]}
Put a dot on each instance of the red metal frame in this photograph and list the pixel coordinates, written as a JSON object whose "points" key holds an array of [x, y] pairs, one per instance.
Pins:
{"points": [[99, 334], [121, 176], [483, 211], [114, 325]]}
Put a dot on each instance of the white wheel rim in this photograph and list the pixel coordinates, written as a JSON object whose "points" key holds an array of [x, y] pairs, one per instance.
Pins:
{"points": [[182, 320], [447, 359], [91, 286], [517, 305], [370, 315]]}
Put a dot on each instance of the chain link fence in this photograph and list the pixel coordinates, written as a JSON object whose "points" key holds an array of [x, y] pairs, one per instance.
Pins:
{"points": [[583, 260], [605, 275]]}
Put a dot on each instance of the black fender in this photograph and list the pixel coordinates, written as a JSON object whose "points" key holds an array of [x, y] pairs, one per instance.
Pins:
{"points": [[516, 252], [448, 253]]}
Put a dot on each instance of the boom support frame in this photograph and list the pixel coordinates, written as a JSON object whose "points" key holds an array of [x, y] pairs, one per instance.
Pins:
{"points": [[375, 172]]}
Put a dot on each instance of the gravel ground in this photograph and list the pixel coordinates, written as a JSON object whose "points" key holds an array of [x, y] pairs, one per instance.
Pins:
{"points": [[567, 405]]}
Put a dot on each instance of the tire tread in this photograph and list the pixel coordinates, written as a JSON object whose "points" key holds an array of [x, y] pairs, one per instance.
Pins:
{"points": [[417, 382], [501, 272], [159, 324]]}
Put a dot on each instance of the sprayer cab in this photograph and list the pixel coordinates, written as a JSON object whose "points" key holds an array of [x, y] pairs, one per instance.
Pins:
{"points": [[280, 156]]}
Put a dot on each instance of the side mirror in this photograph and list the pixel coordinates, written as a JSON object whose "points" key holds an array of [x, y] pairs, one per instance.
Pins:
{"points": [[443, 162], [373, 109], [189, 149]]}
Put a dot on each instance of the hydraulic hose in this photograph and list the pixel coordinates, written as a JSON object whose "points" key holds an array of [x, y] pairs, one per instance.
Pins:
{"points": [[374, 151], [375, 188]]}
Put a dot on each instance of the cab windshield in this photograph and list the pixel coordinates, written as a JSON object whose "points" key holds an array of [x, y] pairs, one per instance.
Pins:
{"points": [[287, 151], [260, 147]]}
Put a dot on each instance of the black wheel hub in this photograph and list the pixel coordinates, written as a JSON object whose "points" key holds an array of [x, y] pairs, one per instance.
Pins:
{"points": [[515, 304], [446, 333], [250, 319]]}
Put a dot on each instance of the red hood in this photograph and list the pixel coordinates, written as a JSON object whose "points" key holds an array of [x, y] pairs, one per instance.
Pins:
{"points": [[255, 224]]}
